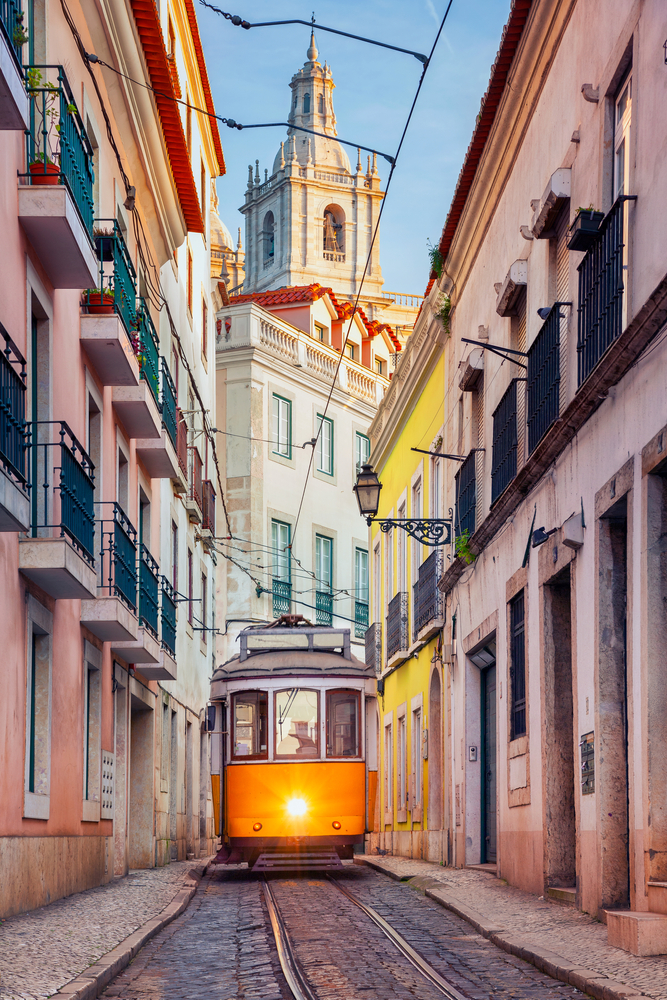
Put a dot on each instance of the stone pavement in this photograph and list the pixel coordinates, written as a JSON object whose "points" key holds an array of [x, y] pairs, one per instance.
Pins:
{"points": [[42, 950], [557, 938]]}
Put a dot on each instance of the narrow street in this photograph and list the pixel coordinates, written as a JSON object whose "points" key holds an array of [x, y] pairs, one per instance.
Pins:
{"points": [[223, 947]]}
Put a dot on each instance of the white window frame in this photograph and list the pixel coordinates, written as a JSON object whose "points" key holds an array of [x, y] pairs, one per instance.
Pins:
{"points": [[281, 413], [362, 450], [37, 803], [401, 764], [92, 731], [417, 762], [324, 584], [325, 445], [388, 769]]}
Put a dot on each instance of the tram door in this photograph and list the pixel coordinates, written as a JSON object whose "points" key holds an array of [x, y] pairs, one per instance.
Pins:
{"points": [[489, 775]]}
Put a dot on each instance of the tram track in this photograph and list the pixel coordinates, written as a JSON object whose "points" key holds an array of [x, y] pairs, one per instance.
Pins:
{"points": [[293, 970]]}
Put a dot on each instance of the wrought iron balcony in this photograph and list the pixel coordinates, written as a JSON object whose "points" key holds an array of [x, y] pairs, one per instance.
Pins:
{"points": [[601, 286], [182, 444], [503, 462], [282, 598], [195, 484], [13, 430], [543, 385], [323, 607], [62, 494], [360, 619], [58, 149], [116, 290], [168, 616], [466, 496], [118, 557], [169, 411], [430, 607], [148, 590], [149, 350], [373, 647], [13, 28], [397, 625], [208, 510]]}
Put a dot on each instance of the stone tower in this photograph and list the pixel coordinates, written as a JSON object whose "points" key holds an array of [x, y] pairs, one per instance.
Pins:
{"points": [[313, 218]]}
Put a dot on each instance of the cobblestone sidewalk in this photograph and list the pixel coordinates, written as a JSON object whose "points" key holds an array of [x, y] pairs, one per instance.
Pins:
{"points": [[551, 927], [42, 950]]}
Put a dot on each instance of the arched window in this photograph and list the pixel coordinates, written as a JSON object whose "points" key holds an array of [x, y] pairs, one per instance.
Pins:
{"points": [[320, 103], [268, 238], [333, 235], [306, 104]]}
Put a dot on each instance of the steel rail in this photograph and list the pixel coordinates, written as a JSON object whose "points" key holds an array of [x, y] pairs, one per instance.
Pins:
{"points": [[422, 966], [289, 963]]}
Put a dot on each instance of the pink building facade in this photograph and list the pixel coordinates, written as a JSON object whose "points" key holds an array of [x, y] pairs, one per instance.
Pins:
{"points": [[107, 479]]}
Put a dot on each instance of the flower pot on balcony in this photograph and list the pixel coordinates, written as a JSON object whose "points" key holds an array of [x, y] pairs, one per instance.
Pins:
{"points": [[584, 230], [41, 173], [100, 304]]}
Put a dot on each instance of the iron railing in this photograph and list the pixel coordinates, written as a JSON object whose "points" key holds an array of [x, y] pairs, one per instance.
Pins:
{"points": [[149, 350], [148, 590], [208, 509], [601, 287], [196, 488], [323, 607], [118, 557], [503, 462], [543, 382], [182, 443], [65, 495], [282, 598], [59, 151], [397, 624], [168, 615], [466, 496], [169, 413], [373, 647], [117, 279], [415, 609], [13, 430], [430, 606], [13, 28], [360, 619]]}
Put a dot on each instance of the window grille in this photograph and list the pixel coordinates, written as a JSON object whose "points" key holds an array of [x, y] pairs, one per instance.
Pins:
{"points": [[429, 605], [518, 666], [544, 378], [503, 463], [466, 496], [397, 624]]}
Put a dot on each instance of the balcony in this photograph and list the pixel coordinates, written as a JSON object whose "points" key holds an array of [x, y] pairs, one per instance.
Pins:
{"points": [[543, 384], [59, 555], [282, 598], [323, 608], [397, 627], [601, 286], [14, 103], [159, 456], [113, 615], [14, 492], [156, 606], [168, 616], [360, 619], [503, 461], [373, 644], [466, 496], [56, 194], [180, 484], [194, 502], [208, 510], [430, 604]]}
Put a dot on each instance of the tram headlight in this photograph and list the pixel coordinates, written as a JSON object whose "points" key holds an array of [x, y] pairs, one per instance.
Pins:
{"points": [[257, 827], [336, 825], [296, 807]]}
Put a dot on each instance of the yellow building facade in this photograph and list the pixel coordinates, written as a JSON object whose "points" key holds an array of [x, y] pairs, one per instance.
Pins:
{"points": [[412, 808]]}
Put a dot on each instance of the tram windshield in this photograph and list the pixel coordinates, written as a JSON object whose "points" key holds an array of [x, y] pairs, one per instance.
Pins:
{"points": [[250, 724], [343, 736], [296, 719]]}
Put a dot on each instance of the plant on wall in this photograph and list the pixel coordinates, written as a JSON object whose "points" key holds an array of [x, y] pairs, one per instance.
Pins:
{"points": [[462, 547], [444, 313], [435, 257]]}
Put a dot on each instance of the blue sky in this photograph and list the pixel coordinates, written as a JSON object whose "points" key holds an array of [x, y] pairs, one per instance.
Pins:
{"points": [[250, 73]]}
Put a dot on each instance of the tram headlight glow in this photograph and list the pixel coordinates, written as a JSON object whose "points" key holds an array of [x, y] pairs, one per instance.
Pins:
{"points": [[296, 807]]}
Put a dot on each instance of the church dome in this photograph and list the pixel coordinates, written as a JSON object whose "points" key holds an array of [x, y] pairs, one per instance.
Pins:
{"points": [[220, 235]]}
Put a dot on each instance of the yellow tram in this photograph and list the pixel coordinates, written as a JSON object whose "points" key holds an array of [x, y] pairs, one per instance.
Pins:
{"points": [[294, 730]]}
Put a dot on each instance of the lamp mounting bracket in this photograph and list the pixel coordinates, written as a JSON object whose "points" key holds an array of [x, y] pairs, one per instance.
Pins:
{"points": [[432, 531]]}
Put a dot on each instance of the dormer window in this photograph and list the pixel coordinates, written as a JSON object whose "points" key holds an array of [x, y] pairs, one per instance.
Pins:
{"points": [[306, 104]]}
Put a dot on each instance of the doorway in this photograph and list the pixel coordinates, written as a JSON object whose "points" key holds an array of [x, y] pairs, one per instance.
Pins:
{"points": [[140, 847], [489, 767], [435, 789]]}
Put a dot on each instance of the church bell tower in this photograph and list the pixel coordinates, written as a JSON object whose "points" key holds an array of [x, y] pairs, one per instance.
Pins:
{"points": [[312, 218]]}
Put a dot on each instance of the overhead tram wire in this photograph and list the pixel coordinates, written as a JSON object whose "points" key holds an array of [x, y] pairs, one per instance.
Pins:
{"points": [[368, 259], [240, 22]]}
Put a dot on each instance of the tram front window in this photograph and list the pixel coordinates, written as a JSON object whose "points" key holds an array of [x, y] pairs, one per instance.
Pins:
{"points": [[250, 724], [343, 724], [296, 715]]}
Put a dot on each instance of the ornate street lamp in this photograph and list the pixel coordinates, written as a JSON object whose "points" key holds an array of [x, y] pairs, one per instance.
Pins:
{"points": [[428, 531]]}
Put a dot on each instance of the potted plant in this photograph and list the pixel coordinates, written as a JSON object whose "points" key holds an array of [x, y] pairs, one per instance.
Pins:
{"points": [[99, 301], [104, 243], [584, 229], [44, 168], [19, 36]]}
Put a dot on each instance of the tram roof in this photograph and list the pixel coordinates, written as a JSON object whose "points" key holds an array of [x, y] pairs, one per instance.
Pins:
{"points": [[308, 651]]}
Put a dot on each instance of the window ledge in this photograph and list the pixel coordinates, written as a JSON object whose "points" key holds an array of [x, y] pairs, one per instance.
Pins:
{"points": [[36, 806]]}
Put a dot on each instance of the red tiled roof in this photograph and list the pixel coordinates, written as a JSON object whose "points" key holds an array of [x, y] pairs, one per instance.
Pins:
{"points": [[509, 43], [203, 74], [152, 42]]}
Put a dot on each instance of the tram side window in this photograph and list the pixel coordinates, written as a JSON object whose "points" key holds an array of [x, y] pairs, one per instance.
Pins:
{"points": [[343, 736], [250, 724], [296, 719]]}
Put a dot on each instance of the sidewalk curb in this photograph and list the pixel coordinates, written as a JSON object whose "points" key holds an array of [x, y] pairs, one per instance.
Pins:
{"points": [[89, 984], [594, 983]]}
